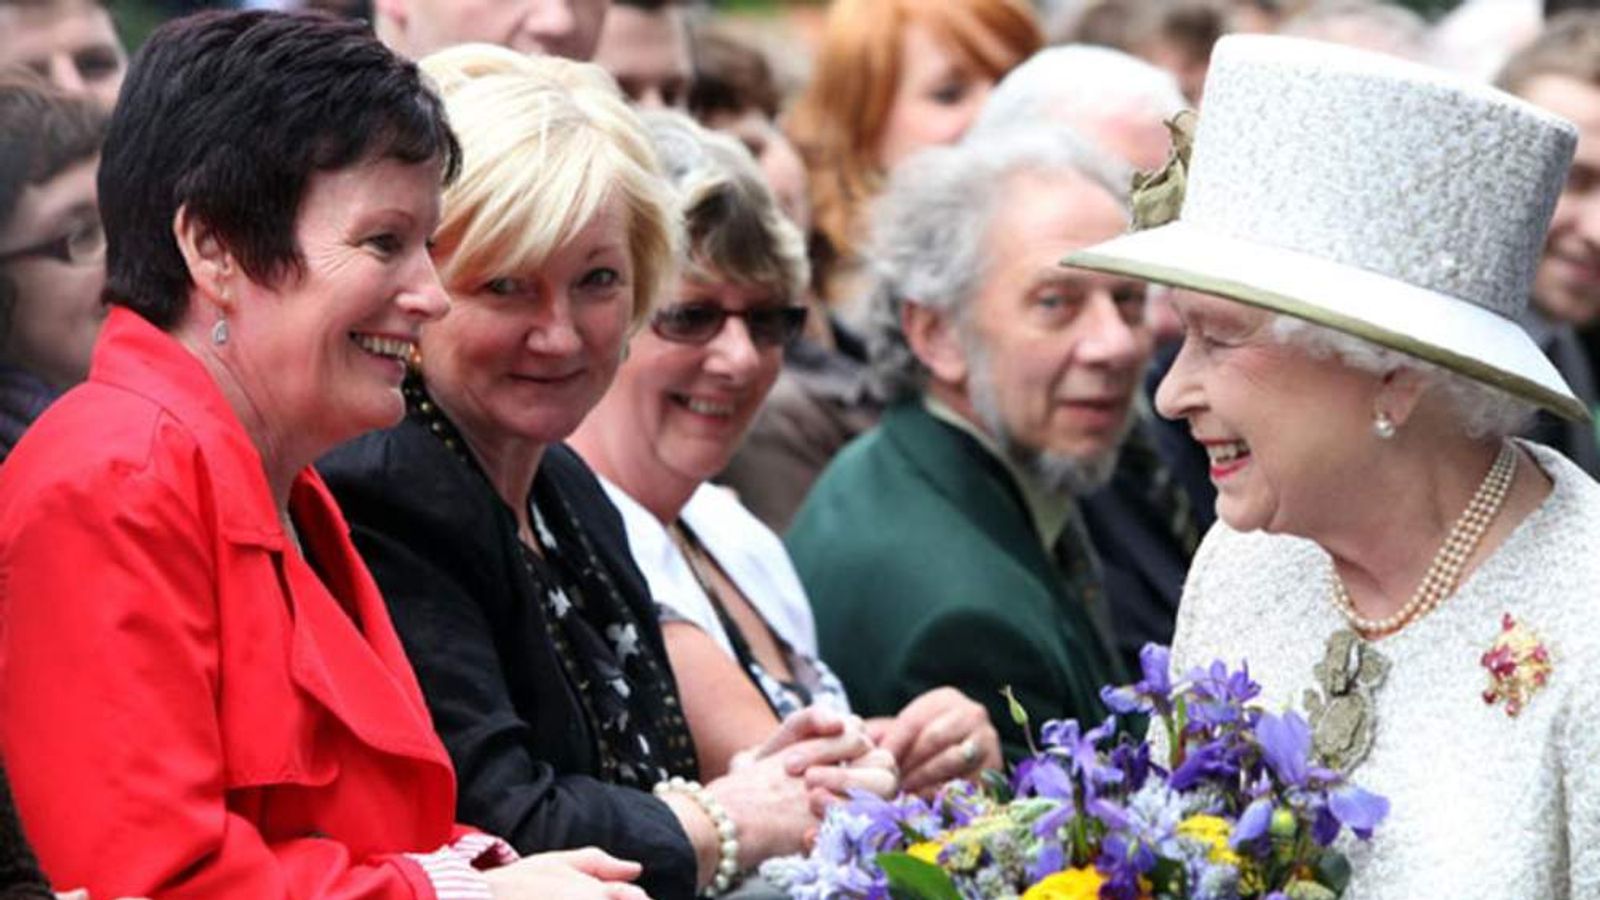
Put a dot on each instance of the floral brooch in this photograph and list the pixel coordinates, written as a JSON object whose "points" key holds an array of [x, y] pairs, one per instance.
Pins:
{"points": [[1518, 665]]}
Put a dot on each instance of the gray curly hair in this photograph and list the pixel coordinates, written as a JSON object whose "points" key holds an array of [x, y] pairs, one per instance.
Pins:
{"points": [[929, 229]]}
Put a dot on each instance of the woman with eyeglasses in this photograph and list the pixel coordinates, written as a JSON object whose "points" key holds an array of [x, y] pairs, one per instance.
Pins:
{"points": [[505, 567], [736, 621], [52, 249]]}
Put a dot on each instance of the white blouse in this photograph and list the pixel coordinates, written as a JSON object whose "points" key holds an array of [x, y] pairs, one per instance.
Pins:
{"points": [[753, 558]]}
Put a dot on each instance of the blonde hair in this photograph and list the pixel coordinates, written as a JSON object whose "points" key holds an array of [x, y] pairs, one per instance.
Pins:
{"points": [[838, 120], [736, 231], [545, 143]]}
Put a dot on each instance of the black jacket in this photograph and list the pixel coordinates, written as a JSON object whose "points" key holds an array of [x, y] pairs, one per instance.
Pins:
{"points": [[445, 553]]}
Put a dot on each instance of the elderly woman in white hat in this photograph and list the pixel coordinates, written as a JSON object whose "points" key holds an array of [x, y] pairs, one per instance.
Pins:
{"points": [[1357, 237]]}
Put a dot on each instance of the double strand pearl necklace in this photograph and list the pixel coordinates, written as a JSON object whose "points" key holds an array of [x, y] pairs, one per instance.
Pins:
{"points": [[1445, 570]]}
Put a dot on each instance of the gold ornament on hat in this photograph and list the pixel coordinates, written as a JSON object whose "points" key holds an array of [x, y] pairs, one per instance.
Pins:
{"points": [[1157, 196]]}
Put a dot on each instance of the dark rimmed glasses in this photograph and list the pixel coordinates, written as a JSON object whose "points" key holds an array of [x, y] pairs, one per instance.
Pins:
{"points": [[698, 323], [84, 244]]}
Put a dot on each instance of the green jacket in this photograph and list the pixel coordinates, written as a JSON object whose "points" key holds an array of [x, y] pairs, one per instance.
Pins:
{"points": [[924, 569]]}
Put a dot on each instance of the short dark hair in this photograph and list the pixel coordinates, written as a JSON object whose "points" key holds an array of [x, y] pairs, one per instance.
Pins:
{"points": [[1569, 47], [43, 132], [229, 114], [730, 76]]}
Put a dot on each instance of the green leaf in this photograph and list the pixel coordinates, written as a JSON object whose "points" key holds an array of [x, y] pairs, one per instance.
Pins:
{"points": [[1166, 879], [1333, 872], [912, 879]]}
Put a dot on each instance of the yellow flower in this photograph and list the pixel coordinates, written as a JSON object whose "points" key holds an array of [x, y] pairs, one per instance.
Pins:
{"points": [[1212, 832], [927, 851], [1073, 884]]}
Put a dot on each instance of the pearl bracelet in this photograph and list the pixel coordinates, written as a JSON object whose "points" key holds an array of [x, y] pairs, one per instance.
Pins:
{"points": [[727, 831]]}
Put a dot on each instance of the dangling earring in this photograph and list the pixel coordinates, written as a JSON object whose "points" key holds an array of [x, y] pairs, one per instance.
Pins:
{"points": [[1382, 426], [219, 332]]}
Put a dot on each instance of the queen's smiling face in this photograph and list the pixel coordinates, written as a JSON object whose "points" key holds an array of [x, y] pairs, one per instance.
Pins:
{"points": [[1286, 431]]}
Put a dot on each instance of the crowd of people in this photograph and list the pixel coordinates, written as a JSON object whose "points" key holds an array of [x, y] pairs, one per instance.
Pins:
{"points": [[550, 448]]}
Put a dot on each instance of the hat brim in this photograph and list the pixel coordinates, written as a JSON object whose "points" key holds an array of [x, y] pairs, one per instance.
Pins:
{"points": [[1460, 336]]}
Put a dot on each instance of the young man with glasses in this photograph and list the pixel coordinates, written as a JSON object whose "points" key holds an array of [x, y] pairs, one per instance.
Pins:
{"points": [[52, 248]]}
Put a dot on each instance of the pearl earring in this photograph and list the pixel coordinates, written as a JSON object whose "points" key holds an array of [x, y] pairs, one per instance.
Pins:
{"points": [[1382, 426]]}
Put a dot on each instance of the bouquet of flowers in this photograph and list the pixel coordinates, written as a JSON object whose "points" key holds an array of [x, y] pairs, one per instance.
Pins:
{"points": [[1227, 802]]}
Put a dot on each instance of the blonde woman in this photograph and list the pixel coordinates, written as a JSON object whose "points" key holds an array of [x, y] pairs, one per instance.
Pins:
{"points": [[507, 571]]}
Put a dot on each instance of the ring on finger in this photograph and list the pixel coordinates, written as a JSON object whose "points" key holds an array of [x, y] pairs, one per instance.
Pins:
{"points": [[969, 752]]}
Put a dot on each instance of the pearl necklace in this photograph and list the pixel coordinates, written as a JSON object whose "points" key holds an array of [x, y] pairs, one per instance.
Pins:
{"points": [[1445, 570]]}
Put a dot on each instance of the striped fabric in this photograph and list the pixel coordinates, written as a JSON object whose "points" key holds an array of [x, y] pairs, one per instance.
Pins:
{"points": [[453, 869]]}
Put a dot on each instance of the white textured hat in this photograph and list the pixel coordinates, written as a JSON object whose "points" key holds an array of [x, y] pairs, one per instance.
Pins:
{"points": [[1372, 195]]}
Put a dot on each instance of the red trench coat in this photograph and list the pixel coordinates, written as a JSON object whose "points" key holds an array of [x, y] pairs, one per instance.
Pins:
{"points": [[186, 708]]}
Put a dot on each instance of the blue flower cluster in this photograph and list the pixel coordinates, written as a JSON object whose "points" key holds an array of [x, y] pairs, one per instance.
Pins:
{"points": [[1226, 802]]}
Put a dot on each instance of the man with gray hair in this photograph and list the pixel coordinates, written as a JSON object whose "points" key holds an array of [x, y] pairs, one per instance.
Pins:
{"points": [[1146, 523], [945, 547]]}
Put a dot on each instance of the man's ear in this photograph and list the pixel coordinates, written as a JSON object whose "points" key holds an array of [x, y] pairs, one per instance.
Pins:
{"points": [[934, 338], [211, 267]]}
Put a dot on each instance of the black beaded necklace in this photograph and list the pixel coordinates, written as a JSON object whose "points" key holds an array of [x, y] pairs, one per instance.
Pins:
{"points": [[627, 693]]}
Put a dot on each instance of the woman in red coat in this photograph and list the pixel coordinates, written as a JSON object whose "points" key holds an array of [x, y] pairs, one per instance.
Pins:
{"points": [[201, 694]]}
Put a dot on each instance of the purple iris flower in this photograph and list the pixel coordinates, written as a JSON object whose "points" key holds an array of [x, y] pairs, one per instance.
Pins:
{"points": [[1041, 776], [1324, 826], [1050, 823], [1253, 822], [1123, 859], [1082, 751], [1208, 761], [1286, 747], [1152, 692], [1220, 696], [1050, 859], [1357, 809], [1133, 761], [1113, 815]]}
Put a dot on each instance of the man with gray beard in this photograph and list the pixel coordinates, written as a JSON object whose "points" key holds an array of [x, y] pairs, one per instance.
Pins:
{"points": [[945, 546]]}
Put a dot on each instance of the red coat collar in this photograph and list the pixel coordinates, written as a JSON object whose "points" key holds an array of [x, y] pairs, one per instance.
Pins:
{"points": [[372, 690], [136, 356]]}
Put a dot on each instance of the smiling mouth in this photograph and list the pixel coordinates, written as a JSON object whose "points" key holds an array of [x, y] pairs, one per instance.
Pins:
{"points": [[704, 407], [386, 347], [1227, 455], [551, 380]]}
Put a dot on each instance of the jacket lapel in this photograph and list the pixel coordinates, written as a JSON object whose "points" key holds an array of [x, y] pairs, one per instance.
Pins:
{"points": [[345, 652], [957, 466]]}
